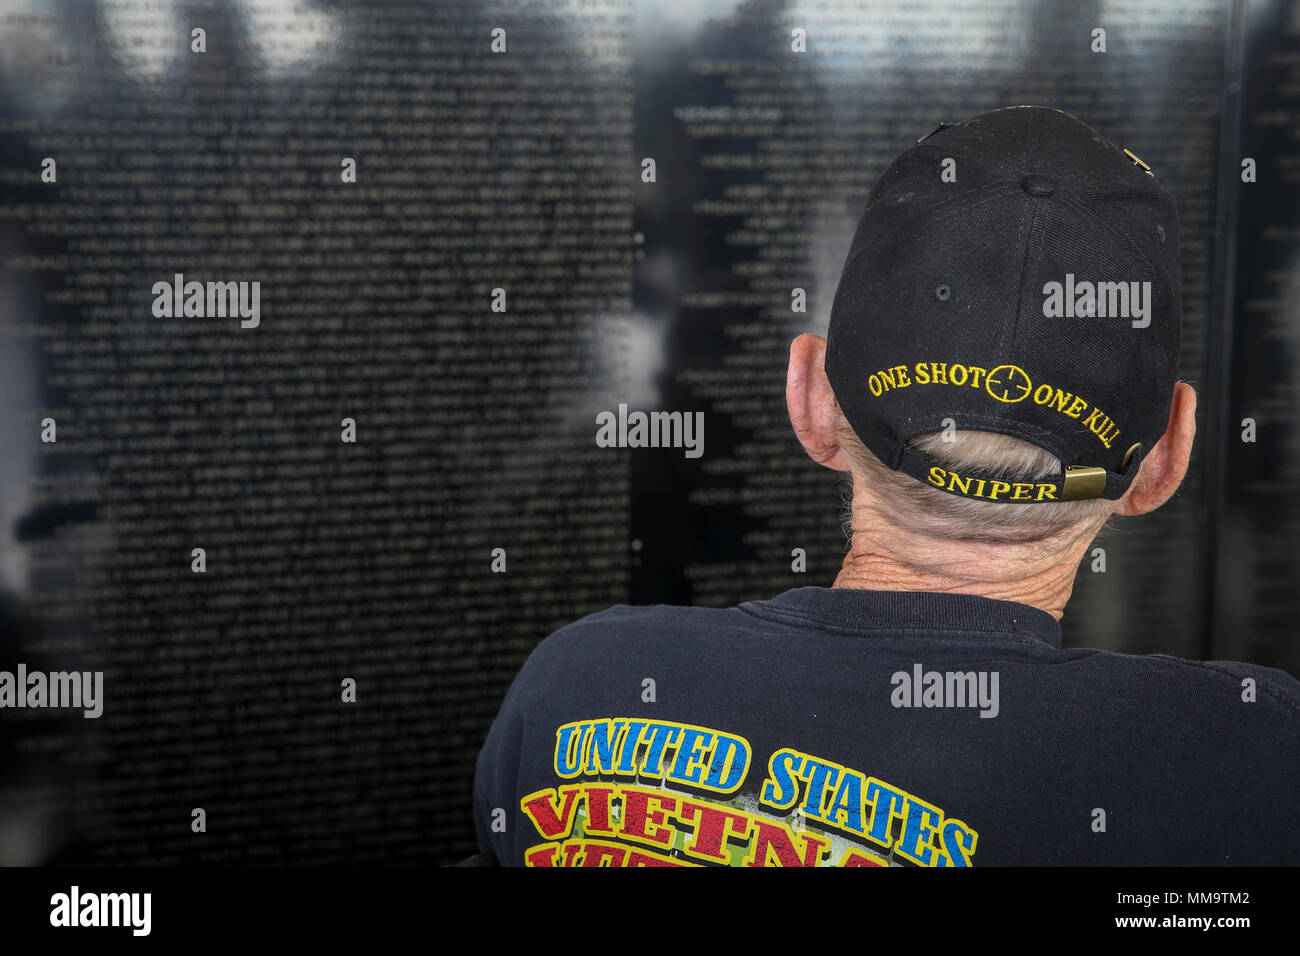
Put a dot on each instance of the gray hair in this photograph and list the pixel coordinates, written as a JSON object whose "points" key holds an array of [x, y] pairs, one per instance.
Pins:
{"points": [[917, 507]]}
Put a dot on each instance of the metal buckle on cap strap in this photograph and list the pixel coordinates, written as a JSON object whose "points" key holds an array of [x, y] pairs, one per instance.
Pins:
{"points": [[1083, 481]]}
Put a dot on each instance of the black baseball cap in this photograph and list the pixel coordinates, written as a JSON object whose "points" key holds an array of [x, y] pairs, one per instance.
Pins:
{"points": [[1015, 273]]}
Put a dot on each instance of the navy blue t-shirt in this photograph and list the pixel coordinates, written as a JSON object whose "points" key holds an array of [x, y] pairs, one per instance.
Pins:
{"points": [[837, 727]]}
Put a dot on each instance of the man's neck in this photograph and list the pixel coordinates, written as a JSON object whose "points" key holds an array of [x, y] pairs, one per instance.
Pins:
{"points": [[884, 558]]}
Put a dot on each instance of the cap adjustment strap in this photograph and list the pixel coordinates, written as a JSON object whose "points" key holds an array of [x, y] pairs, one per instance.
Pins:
{"points": [[1083, 481], [1075, 483]]}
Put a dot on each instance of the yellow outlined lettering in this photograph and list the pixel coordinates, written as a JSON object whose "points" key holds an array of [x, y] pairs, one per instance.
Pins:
{"points": [[541, 809], [691, 758], [638, 815], [714, 829], [855, 857], [881, 828], [959, 842], [569, 738], [599, 799], [768, 793], [829, 781], [916, 841], [603, 748], [775, 844]]}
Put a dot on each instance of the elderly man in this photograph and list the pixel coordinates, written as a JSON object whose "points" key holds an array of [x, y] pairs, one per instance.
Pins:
{"points": [[999, 381]]}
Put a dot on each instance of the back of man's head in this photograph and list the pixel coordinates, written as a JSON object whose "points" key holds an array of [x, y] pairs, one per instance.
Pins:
{"points": [[923, 509], [1007, 326]]}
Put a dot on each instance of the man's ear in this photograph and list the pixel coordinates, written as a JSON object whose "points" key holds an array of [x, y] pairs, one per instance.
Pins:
{"points": [[811, 401], [1163, 470]]}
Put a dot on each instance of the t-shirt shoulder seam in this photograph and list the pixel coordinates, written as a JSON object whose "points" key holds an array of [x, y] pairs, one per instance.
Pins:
{"points": [[1288, 701]]}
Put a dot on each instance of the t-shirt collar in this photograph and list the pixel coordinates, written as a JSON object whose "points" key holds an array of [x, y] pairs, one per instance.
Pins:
{"points": [[936, 613]]}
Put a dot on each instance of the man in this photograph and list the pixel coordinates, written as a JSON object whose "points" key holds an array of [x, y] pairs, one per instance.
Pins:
{"points": [[999, 380]]}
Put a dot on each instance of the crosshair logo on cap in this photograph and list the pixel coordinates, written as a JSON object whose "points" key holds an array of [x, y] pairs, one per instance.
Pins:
{"points": [[1008, 383]]}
